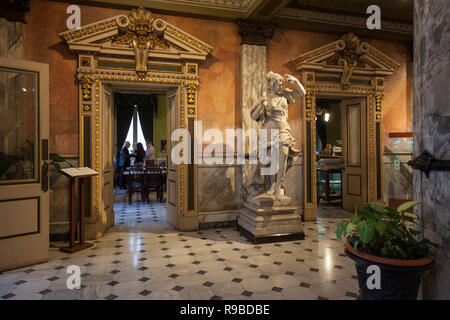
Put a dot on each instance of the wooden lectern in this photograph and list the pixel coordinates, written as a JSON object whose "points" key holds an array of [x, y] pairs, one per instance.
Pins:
{"points": [[81, 174]]}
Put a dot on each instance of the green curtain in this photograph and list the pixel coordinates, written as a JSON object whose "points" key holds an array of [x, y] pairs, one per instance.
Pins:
{"points": [[147, 108], [147, 105], [124, 117]]}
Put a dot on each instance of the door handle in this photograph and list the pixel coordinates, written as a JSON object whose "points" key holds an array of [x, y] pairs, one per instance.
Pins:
{"points": [[44, 185], [45, 165]]}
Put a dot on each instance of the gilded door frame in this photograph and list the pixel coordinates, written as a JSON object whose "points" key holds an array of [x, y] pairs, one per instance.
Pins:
{"points": [[135, 51], [187, 88], [345, 68], [374, 96]]}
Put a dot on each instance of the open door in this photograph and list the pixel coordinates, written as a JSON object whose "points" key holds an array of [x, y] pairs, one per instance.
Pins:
{"points": [[107, 168], [24, 182], [172, 169], [354, 133]]}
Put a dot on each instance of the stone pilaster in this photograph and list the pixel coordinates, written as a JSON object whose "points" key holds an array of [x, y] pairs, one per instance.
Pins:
{"points": [[253, 82], [432, 133], [11, 39]]}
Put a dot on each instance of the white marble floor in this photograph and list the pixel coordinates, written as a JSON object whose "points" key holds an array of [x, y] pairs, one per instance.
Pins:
{"points": [[143, 257]]}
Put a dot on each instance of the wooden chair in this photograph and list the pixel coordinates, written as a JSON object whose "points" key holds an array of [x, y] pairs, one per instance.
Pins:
{"points": [[154, 182], [136, 183], [150, 163]]}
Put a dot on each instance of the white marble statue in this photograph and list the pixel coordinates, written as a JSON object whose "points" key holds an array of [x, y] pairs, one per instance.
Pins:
{"points": [[272, 111]]}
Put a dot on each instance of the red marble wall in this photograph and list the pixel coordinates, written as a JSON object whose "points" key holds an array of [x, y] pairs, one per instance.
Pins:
{"points": [[218, 94]]}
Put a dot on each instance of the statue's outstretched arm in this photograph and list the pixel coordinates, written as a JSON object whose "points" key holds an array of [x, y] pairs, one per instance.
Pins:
{"points": [[300, 89]]}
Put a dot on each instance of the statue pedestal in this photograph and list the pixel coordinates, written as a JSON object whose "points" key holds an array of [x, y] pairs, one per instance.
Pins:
{"points": [[264, 219]]}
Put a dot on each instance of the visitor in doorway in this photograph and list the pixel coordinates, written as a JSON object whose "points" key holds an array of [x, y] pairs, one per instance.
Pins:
{"points": [[124, 162], [150, 152], [139, 154]]}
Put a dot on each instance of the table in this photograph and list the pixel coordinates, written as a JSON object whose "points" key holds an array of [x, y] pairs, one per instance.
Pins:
{"points": [[328, 196], [81, 174], [145, 179]]}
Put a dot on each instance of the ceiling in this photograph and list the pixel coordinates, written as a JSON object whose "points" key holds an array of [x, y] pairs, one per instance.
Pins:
{"points": [[335, 16]]}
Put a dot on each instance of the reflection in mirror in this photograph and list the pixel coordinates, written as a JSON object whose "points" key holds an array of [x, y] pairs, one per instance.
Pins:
{"points": [[18, 126]]}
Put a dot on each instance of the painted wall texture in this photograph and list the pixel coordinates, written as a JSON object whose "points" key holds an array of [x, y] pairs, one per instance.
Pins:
{"points": [[218, 95], [397, 108]]}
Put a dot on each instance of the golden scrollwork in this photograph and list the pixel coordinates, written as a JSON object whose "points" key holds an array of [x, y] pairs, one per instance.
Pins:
{"points": [[372, 167], [308, 98], [191, 88], [141, 38], [183, 36], [348, 58], [383, 58], [379, 102], [86, 86]]}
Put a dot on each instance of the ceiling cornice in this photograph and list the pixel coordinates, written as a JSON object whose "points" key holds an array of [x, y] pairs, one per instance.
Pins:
{"points": [[277, 12]]}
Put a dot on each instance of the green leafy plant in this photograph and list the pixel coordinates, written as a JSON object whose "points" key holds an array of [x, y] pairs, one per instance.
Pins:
{"points": [[56, 159], [382, 231]]}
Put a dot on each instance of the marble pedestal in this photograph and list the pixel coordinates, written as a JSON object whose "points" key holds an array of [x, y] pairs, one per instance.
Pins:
{"points": [[264, 219]]}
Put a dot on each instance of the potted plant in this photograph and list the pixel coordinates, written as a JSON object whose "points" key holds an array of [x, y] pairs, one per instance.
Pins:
{"points": [[389, 257]]}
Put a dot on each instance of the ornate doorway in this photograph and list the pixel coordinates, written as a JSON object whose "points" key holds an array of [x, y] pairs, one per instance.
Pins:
{"points": [[344, 69], [135, 51]]}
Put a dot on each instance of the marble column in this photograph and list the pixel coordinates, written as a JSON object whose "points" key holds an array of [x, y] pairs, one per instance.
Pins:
{"points": [[253, 81], [432, 133], [11, 39]]}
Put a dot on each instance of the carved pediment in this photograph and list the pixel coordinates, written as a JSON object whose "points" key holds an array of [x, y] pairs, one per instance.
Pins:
{"points": [[348, 56], [139, 32]]}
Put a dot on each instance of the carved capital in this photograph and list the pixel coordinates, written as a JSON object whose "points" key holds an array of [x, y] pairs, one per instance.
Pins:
{"points": [[255, 33]]}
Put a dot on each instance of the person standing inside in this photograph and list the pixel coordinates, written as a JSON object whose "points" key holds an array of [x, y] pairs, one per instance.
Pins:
{"points": [[124, 162], [139, 155], [150, 152]]}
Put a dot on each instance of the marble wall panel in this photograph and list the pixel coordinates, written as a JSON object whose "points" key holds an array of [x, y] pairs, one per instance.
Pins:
{"points": [[60, 203], [432, 133], [219, 188]]}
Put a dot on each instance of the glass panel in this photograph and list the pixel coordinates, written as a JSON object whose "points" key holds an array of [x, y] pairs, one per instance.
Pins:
{"points": [[19, 92], [86, 123], [173, 125], [354, 135], [107, 111], [191, 181], [378, 137], [309, 185]]}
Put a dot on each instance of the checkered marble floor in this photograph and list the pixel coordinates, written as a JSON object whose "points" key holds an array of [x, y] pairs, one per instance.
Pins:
{"points": [[143, 257]]}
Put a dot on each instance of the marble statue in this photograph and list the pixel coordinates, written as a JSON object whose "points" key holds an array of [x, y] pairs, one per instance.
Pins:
{"points": [[272, 111]]}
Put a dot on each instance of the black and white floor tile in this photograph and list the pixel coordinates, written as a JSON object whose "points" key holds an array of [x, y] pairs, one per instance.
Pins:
{"points": [[143, 257]]}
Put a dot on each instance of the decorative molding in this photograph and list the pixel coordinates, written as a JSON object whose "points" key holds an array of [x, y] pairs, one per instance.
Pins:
{"points": [[119, 51], [85, 85], [191, 91], [255, 33], [228, 4], [122, 36], [348, 57], [351, 21]]}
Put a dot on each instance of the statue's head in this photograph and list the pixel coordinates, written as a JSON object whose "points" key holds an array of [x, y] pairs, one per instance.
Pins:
{"points": [[274, 82]]}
